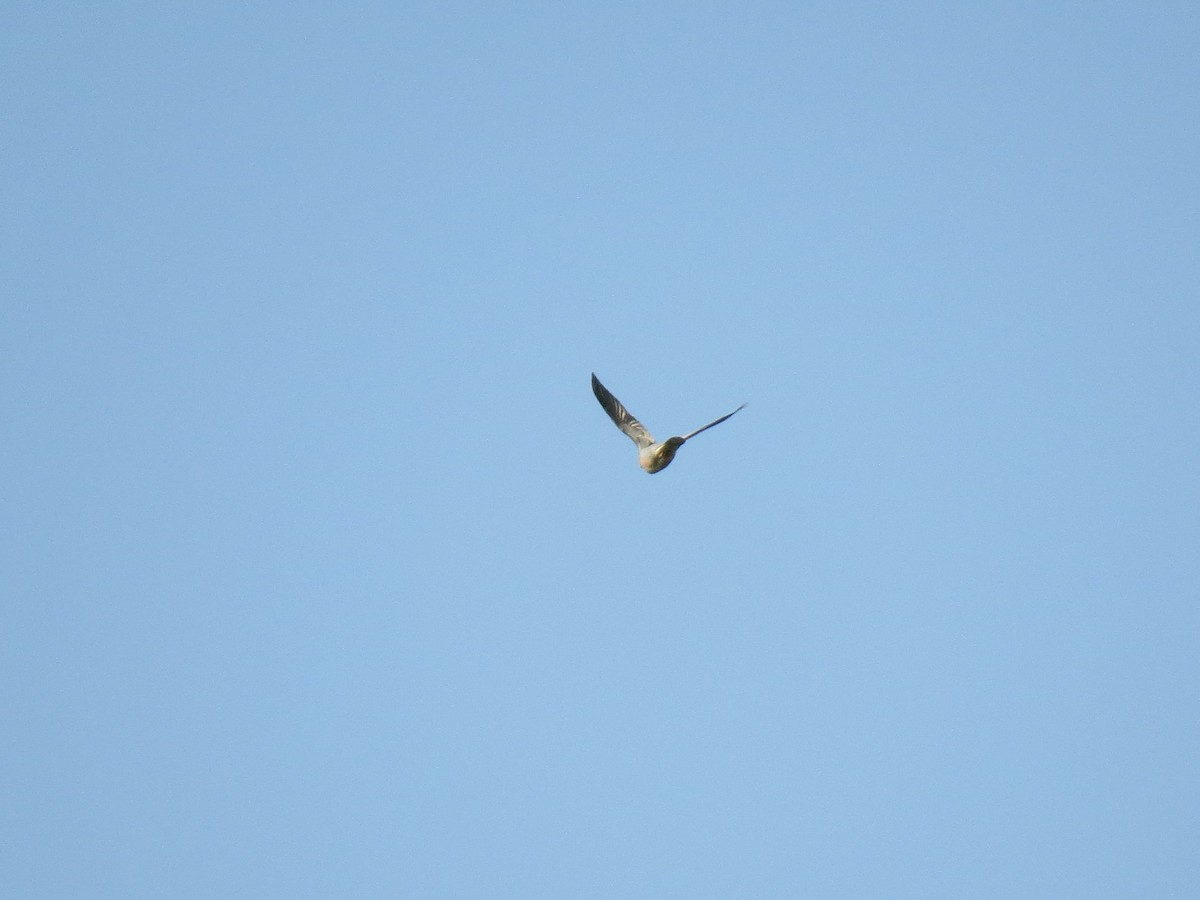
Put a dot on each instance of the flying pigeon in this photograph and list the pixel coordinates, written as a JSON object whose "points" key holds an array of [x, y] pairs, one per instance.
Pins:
{"points": [[652, 456]]}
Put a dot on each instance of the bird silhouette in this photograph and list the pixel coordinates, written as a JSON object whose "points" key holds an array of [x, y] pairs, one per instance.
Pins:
{"points": [[653, 456]]}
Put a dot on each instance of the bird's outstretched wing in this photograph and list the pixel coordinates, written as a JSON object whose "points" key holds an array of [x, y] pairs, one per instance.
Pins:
{"points": [[619, 414], [710, 424]]}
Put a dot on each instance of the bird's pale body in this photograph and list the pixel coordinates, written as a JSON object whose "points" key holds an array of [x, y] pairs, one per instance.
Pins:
{"points": [[657, 457]]}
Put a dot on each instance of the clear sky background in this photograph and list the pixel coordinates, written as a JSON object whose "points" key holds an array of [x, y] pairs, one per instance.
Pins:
{"points": [[325, 575]]}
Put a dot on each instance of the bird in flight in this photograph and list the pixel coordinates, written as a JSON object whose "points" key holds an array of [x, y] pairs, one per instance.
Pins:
{"points": [[653, 456]]}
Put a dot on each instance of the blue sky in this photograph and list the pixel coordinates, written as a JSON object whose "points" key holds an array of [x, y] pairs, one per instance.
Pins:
{"points": [[325, 574]]}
